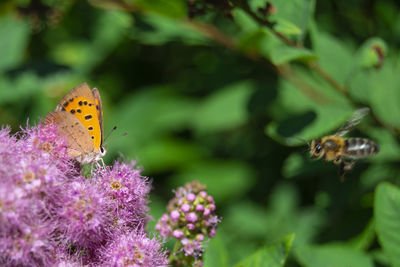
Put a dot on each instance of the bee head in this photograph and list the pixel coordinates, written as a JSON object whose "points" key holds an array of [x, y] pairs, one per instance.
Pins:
{"points": [[316, 148]]}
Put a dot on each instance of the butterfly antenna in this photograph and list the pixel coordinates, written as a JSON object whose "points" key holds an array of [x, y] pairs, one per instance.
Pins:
{"points": [[112, 130]]}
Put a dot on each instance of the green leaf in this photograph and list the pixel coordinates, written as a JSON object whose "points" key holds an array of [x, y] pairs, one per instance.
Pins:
{"points": [[157, 208], [164, 154], [160, 30], [335, 57], [387, 217], [287, 28], [167, 8], [15, 36], [110, 29], [284, 54], [301, 164], [380, 257], [216, 253], [149, 117], [384, 93], [225, 109], [379, 89], [377, 173], [364, 240], [260, 40], [224, 179], [252, 220], [270, 256], [304, 114], [244, 21], [332, 256], [290, 18]]}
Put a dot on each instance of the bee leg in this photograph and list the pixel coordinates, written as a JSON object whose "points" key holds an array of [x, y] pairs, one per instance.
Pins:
{"points": [[345, 166], [337, 160], [341, 171], [348, 166]]}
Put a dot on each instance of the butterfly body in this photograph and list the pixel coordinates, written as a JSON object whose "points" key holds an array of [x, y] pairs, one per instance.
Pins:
{"points": [[79, 119]]}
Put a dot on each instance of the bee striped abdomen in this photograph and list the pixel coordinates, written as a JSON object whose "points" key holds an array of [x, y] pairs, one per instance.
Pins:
{"points": [[360, 147]]}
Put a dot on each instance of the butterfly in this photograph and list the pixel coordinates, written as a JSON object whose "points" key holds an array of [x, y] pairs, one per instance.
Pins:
{"points": [[79, 118]]}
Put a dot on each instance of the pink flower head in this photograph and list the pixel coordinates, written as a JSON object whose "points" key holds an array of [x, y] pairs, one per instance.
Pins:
{"points": [[133, 249], [50, 215], [84, 215], [127, 191]]}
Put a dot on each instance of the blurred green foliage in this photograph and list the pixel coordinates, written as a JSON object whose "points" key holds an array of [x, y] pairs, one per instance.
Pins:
{"points": [[224, 92]]}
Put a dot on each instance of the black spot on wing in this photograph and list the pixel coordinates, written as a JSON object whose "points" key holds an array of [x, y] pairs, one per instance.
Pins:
{"points": [[80, 103], [72, 111], [90, 128], [88, 117]]}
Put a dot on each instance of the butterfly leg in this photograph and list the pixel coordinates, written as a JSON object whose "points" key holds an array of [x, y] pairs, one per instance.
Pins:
{"points": [[102, 165]]}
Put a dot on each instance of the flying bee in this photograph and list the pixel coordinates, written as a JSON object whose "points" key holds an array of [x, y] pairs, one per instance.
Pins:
{"points": [[344, 151]]}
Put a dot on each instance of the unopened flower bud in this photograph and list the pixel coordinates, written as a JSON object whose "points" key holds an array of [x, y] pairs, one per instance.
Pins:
{"points": [[191, 197], [185, 208], [177, 234], [199, 207], [174, 215], [191, 217]]}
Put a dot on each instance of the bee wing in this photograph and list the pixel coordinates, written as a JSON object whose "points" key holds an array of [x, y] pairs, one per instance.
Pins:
{"points": [[358, 115]]}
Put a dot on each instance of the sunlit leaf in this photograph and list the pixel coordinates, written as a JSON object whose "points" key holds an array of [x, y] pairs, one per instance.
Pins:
{"points": [[270, 256], [332, 256], [304, 113], [335, 57]]}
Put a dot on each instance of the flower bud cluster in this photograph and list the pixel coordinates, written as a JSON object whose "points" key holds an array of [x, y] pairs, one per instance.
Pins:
{"points": [[191, 219]]}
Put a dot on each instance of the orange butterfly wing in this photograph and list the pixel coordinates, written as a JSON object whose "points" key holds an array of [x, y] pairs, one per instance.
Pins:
{"points": [[79, 142], [85, 105]]}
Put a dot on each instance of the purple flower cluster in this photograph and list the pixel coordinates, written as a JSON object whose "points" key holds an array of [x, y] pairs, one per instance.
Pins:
{"points": [[190, 219], [52, 215]]}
